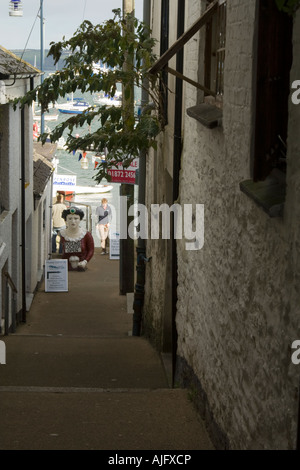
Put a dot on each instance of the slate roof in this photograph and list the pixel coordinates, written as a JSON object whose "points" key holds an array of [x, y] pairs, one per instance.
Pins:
{"points": [[42, 166], [10, 64], [47, 150]]}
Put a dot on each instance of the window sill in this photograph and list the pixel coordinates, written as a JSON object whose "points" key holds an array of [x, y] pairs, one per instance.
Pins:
{"points": [[208, 115], [268, 194]]}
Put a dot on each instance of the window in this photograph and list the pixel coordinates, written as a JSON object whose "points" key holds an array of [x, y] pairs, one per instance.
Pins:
{"points": [[215, 56], [211, 69], [215, 51], [274, 60], [215, 38]]}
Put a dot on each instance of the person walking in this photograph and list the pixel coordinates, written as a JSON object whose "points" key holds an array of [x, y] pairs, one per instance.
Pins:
{"points": [[58, 222], [104, 216]]}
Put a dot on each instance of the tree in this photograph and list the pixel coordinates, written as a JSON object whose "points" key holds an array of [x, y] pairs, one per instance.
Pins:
{"points": [[121, 133], [288, 6]]}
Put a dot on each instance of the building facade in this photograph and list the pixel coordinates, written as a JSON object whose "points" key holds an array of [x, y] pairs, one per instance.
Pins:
{"points": [[25, 196], [226, 309]]}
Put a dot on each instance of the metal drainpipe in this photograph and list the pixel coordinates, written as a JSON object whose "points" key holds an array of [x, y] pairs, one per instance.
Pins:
{"points": [[176, 170], [23, 206], [23, 224], [298, 423], [141, 244]]}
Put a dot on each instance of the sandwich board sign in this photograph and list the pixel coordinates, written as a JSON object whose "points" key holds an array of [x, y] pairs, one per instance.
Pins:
{"points": [[114, 246], [56, 275], [2, 352]]}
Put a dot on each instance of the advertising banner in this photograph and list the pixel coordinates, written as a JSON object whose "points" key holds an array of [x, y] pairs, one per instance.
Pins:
{"points": [[124, 175]]}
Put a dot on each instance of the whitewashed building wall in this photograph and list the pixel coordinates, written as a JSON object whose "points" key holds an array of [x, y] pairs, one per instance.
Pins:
{"points": [[238, 297], [11, 188]]}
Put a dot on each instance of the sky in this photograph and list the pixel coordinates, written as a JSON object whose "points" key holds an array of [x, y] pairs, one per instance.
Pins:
{"points": [[62, 18]]}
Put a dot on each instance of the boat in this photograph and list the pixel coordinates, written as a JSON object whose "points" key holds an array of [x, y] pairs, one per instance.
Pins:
{"points": [[98, 188], [61, 144], [103, 99], [73, 106], [98, 67], [47, 117]]}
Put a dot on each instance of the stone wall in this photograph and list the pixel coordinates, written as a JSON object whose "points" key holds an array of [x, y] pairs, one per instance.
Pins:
{"points": [[238, 297], [11, 202], [157, 310]]}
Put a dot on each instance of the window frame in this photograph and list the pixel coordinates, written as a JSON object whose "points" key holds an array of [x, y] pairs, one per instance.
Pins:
{"points": [[215, 45], [273, 66]]}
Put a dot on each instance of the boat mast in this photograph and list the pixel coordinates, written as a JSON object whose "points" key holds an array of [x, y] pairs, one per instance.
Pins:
{"points": [[42, 59]]}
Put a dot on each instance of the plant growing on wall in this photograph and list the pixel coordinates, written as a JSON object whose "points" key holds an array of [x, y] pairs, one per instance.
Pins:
{"points": [[288, 6], [114, 42]]}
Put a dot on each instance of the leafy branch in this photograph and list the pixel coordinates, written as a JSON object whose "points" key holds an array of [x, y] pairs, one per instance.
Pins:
{"points": [[288, 6], [125, 45]]}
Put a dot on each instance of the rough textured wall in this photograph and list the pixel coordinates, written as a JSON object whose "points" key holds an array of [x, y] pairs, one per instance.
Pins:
{"points": [[10, 176], [157, 301], [292, 213], [237, 296], [10, 195], [154, 302]]}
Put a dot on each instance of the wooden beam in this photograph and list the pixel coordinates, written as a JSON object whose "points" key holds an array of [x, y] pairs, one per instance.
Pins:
{"points": [[184, 38], [192, 82]]}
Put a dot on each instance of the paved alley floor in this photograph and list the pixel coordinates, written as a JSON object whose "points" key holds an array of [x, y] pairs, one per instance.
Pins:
{"points": [[75, 378]]}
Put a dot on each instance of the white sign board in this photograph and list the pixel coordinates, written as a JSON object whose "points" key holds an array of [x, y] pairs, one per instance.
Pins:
{"points": [[134, 165], [114, 246], [2, 352], [56, 275], [64, 182]]}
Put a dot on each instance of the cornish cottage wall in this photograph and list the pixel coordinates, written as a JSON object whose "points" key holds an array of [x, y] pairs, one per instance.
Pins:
{"points": [[157, 302], [41, 235], [10, 124], [238, 297], [11, 200], [293, 195]]}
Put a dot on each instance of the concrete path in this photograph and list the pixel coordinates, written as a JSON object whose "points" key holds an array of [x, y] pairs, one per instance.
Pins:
{"points": [[75, 378]]}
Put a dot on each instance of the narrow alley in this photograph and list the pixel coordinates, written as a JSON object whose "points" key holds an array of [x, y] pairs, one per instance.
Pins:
{"points": [[75, 378]]}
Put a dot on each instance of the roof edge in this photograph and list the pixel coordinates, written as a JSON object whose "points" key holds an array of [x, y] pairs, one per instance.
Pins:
{"points": [[14, 56]]}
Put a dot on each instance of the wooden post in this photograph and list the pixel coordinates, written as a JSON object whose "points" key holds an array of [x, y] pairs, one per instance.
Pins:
{"points": [[127, 190]]}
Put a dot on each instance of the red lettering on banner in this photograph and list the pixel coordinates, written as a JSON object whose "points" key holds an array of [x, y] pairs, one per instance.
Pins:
{"points": [[122, 176]]}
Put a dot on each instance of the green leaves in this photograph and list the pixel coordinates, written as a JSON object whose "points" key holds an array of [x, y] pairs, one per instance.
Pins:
{"points": [[288, 6], [126, 46]]}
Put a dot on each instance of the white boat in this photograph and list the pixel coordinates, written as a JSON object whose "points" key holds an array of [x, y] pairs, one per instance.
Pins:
{"points": [[47, 117], [76, 190], [99, 68], [73, 106], [103, 99], [99, 188], [61, 144]]}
